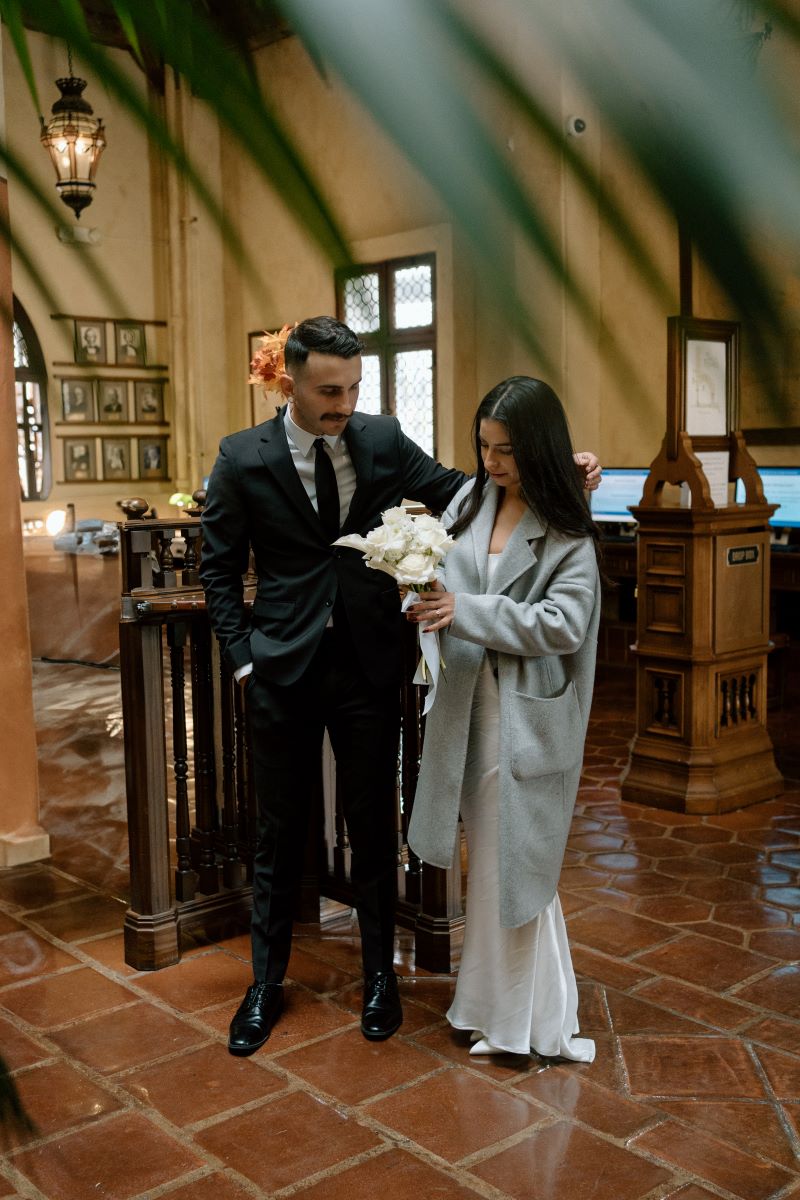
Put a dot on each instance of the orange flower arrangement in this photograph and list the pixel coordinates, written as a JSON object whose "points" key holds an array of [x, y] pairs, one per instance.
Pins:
{"points": [[268, 364]]}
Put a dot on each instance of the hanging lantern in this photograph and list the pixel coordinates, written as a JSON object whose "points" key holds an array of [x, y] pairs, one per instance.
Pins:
{"points": [[75, 142]]}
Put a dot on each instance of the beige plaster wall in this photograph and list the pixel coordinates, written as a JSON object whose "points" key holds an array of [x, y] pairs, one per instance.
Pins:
{"points": [[778, 64], [383, 207], [388, 210]]}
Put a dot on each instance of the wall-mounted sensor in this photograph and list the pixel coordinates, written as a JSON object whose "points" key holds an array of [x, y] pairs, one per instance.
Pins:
{"points": [[576, 126]]}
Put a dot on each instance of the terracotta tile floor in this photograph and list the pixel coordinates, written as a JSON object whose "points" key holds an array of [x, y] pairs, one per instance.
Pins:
{"points": [[686, 939]]}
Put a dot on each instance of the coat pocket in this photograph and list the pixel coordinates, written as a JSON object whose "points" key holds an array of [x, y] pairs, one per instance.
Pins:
{"points": [[546, 733], [270, 611]]}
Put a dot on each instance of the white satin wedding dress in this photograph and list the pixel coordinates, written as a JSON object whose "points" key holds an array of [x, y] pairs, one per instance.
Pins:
{"points": [[516, 988]]}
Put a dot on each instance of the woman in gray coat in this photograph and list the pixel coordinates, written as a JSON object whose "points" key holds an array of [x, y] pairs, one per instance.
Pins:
{"points": [[519, 601]]}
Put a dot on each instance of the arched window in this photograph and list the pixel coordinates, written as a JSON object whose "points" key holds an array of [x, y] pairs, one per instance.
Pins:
{"points": [[33, 441]]}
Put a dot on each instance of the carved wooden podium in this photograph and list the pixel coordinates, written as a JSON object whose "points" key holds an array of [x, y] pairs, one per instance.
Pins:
{"points": [[701, 743]]}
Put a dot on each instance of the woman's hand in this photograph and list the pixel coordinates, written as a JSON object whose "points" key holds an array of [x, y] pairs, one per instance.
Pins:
{"points": [[435, 609], [592, 471]]}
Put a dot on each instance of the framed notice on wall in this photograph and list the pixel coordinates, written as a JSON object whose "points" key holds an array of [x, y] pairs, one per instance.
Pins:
{"points": [[702, 380]]}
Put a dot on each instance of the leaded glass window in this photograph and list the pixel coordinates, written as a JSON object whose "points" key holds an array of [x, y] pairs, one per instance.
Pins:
{"points": [[392, 307], [413, 296], [30, 388], [362, 303], [413, 395], [369, 394]]}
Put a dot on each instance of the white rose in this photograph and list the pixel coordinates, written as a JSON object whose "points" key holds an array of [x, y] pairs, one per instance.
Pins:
{"points": [[426, 521], [415, 568], [395, 516], [386, 542], [434, 539]]}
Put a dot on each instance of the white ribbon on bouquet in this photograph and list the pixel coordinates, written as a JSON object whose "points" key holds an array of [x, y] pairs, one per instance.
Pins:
{"points": [[430, 661]]}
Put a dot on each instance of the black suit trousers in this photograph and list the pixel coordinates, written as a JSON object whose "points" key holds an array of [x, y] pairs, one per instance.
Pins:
{"points": [[287, 723]]}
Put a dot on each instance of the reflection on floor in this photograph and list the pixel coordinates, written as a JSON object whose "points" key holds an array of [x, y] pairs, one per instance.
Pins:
{"points": [[685, 935]]}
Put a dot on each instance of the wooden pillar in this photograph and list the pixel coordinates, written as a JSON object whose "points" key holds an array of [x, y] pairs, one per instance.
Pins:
{"points": [[21, 837], [701, 742]]}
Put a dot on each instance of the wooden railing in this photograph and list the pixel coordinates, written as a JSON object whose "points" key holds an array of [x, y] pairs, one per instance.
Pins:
{"points": [[189, 779]]}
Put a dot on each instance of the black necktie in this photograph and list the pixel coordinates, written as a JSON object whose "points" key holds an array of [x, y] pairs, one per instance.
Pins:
{"points": [[327, 490]]}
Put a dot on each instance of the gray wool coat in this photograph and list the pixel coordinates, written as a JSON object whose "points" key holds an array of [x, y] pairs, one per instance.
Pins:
{"points": [[540, 615]]}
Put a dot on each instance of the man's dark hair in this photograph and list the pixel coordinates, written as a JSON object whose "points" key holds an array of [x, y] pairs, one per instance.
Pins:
{"points": [[322, 335]]}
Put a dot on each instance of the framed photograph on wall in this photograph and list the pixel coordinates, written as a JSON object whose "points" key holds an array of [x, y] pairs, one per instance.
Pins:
{"points": [[112, 400], [153, 458], [129, 343], [702, 379], [77, 399], [116, 458], [149, 400], [90, 342], [80, 464]]}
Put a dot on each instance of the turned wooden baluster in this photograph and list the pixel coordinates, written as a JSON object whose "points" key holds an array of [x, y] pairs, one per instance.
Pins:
{"points": [[744, 697], [185, 875], [233, 870], [168, 576], [725, 719], [751, 697], [190, 576], [206, 823]]}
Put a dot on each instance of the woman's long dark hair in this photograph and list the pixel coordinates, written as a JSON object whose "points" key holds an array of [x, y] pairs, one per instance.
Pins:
{"points": [[550, 481]]}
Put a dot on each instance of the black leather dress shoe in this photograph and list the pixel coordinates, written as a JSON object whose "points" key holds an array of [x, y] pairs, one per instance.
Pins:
{"points": [[255, 1017], [381, 1015]]}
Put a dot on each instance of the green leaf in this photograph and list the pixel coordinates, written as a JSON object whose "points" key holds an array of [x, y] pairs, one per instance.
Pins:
{"points": [[11, 13], [124, 11], [500, 74]]}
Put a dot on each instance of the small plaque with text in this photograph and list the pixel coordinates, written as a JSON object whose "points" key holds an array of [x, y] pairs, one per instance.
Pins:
{"points": [[739, 556]]}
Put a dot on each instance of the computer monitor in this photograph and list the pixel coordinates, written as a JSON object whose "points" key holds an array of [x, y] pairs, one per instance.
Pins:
{"points": [[781, 486], [619, 488]]}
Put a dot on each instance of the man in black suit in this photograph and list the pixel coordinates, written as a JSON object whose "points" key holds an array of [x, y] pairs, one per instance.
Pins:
{"points": [[322, 649]]}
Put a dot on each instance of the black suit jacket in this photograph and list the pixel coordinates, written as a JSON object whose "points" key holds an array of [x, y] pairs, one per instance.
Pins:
{"points": [[255, 499]]}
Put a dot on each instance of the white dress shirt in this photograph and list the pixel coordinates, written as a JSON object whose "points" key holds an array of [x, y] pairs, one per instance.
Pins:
{"points": [[301, 448]]}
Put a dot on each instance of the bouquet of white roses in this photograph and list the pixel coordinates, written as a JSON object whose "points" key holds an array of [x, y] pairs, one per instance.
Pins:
{"points": [[409, 549]]}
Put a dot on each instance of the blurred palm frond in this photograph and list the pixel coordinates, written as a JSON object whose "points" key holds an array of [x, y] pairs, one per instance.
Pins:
{"points": [[674, 84]]}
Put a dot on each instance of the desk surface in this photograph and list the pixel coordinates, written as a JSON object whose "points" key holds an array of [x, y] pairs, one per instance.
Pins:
{"points": [[73, 603]]}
